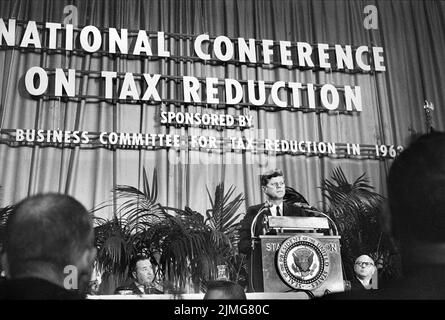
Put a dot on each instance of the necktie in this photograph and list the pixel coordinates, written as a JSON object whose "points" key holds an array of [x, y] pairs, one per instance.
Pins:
{"points": [[278, 211]]}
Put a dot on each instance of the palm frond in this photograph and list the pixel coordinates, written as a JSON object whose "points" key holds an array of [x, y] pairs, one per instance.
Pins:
{"points": [[222, 216], [188, 242], [4, 215], [125, 234], [355, 207], [351, 201], [291, 195]]}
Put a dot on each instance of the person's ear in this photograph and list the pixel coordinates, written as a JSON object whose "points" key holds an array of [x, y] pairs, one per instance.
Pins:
{"points": [[5, 264], [263, 188]]}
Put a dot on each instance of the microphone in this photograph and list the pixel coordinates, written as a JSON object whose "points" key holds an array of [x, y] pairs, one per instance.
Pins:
{"points": [[265, 206], [304, 206], [308, 207]]}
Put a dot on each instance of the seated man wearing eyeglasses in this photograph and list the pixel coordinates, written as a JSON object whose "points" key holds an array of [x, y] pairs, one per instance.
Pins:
{"points": [[273, 186], [364, 270]]}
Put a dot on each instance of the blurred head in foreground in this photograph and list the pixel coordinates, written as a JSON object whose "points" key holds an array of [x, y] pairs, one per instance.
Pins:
{"points": [[416, 187], [50, 236], [221, 290]]}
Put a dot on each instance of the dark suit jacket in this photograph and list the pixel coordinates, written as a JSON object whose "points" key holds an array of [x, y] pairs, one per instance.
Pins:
{"points": [[244, 245], [356, 284], [135, 289], [254, 264], [35, 289]]}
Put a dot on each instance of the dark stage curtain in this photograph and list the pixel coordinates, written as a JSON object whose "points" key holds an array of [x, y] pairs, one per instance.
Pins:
{"points": [[411, 32]]}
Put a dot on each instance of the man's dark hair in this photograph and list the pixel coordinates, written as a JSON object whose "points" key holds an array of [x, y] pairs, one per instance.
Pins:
{"points": [[264, 178], [136, 259], [51, 229], [230, 290], [416, 189]]}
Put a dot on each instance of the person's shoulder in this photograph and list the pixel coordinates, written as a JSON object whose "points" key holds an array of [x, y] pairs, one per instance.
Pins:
{"points": [[291, 210], [158, 290], [35, 289], [353, 295], [251, 213], [254, 208], [356, 284], [128, 286], [4, 284]]}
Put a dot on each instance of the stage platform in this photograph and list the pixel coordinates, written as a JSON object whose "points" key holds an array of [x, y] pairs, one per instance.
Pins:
{"points": [[200, 296]]}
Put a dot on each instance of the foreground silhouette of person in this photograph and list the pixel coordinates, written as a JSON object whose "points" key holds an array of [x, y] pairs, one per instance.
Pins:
{"points": [[49, 249], [224, 290], [416, 192], [416, 195]]}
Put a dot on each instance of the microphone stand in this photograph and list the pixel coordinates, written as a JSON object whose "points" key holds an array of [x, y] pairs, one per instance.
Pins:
{"points": [[312, 209], [253, 239]]}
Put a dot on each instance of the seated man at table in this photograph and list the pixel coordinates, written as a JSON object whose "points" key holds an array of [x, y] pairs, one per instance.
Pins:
{"points": [[364, 269], [144, 281]]}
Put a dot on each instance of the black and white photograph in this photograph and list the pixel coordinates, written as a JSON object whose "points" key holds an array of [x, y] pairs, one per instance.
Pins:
{"points": [[191, 152]]}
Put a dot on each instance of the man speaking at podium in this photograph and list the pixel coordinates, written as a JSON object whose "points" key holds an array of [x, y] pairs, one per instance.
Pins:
{"points": [[273, 186]]}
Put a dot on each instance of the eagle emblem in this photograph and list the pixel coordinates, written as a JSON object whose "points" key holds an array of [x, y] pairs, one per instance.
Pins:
{"points": [[303, 260]]}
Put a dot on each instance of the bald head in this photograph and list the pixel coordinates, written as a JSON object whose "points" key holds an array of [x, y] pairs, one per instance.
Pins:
{"points": [[364, 258], [47, 229], [364, 267]]}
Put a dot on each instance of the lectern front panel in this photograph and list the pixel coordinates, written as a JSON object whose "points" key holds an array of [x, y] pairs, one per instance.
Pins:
{"points": [[303, 261]]}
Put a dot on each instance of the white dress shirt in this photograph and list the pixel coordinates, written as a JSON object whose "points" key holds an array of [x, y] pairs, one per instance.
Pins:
{"points": [[273, 209]]}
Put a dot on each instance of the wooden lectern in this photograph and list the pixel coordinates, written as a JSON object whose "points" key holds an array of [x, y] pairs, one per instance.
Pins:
{"points": [[303, 254]]}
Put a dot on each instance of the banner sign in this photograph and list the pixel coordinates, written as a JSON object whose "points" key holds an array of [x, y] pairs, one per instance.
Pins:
{"points": [[60, 83]]}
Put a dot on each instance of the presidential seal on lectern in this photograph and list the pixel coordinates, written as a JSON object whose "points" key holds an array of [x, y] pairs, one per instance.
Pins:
{"points": [[302, 255], [303, 262]]}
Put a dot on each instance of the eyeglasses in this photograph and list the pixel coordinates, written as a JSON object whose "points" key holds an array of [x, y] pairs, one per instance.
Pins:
{"points": [[276, 184], [364, 264]]}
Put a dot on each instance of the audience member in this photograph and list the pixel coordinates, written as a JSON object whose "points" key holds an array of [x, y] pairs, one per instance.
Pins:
{"points": [[416, 189], [224, 290], [416, 192], [143, 273], [364, 269], [48, 251]]}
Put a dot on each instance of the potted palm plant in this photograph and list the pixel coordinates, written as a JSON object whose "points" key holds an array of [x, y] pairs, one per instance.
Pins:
{"points": [[188, 245], [357, 211], [4, 214], [223, 221]]}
